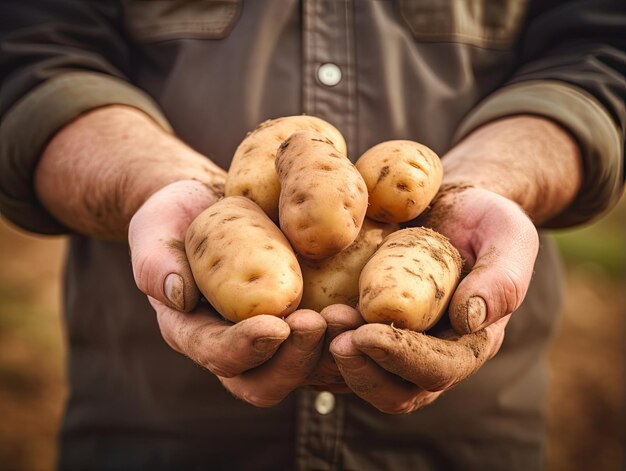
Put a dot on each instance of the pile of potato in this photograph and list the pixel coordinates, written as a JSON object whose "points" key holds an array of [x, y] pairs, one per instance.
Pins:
{"points": [[292, 232]]}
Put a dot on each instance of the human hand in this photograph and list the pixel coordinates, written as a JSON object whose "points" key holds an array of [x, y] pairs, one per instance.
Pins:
{"points": [[399, 371], [326, 376], [498, 244], [259, 360]]}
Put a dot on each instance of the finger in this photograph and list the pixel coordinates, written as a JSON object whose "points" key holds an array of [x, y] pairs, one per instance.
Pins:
{"points": [[504, 246], [385, 391], [156, 237], [216, 344], [339, 318], [434, 364], [271, 382]]}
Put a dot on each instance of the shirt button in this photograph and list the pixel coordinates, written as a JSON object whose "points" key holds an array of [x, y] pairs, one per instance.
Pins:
{"points": [[329, 74], [324, 403]]}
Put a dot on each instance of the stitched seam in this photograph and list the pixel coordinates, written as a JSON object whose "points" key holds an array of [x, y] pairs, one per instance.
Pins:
{"points": [[473, 39], [350, 76]]}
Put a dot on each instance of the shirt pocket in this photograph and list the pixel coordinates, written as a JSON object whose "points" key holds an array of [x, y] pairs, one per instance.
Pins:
{"points": [[161, 20], [484, 23]]}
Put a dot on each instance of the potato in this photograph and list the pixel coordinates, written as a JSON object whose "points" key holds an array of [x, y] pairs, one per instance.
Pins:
{"points": [[242, 263], [410, 279], [323, 198], [402, 178], [335, 280], [252, 173]]}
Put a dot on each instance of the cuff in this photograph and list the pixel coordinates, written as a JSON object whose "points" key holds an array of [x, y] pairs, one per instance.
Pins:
{"points": [[599, 139], [28, 126]]}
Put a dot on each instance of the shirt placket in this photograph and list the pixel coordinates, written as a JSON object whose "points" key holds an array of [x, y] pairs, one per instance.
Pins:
{"points": [[320, 429], [328, 92], [329, 80]]}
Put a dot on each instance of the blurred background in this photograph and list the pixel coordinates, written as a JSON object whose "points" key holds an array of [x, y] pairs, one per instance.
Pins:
{"points": [[588, 357]]}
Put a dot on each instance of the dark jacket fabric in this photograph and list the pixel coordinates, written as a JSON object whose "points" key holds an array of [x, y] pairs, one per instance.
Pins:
{"points": [[211, 70]]}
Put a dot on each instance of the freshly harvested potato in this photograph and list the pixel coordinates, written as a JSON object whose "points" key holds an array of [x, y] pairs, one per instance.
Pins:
{"points": [[323, 197], [252, 172], [402, 178], [410, 279], [335, 280], [242, 263]]}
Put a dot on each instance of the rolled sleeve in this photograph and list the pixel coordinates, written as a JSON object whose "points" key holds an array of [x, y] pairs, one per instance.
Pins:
{"points": [[29, 125], [600, 141]]}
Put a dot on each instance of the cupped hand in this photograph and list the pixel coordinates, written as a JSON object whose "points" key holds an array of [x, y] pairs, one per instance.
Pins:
{"points": [[399, 371], [259, 360], [499, 246]]}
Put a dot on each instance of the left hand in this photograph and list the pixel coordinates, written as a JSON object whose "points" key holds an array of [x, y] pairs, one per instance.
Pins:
{"points": [[399, 371], [259, 360]]}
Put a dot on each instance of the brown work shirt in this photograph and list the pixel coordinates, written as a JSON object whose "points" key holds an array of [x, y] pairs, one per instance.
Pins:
{"points": [[210, 70]]}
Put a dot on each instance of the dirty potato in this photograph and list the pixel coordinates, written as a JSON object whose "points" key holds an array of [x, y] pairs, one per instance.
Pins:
{"points": [[335, 280], [410, 279], [252, 173], [323, 197], [242, 263], [402, 178]]}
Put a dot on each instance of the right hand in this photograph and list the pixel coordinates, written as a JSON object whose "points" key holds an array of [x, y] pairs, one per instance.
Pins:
{"points": [[259, 360]]}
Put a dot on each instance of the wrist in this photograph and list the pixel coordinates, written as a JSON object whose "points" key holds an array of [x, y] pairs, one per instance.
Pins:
{"points": [[99, 169], [527, 159]]}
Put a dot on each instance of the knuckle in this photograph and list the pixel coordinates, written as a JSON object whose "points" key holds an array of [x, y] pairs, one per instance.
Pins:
{"points": [[513, 291], [259, 400], [510, 290], [418, 401], [439, 384], [145, 273], [394, 408], [426, 400], [218, 370], [224, 366], [139, 271], [166, 332]]}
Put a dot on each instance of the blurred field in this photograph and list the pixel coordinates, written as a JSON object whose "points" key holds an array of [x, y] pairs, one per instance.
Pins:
{"points": [[32, 387], [588, 356]]}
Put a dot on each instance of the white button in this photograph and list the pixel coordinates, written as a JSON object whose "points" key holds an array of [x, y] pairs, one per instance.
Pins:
{"points": [[324, 403], [329, 74]]}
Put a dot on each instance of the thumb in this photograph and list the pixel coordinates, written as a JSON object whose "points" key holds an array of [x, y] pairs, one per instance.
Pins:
{"points": [[156, 237], [505, 246]]}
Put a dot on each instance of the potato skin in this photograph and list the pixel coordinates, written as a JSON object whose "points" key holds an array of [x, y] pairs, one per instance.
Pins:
{"points": [[242, 263], [335, 280], [402, 178], [410, 279], [323, 198], [252, 172]]}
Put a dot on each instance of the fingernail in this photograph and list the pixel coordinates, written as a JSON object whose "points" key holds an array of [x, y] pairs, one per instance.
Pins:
{"points": [[267, 344], [376, 353], [174, 290], [306, 340], [476, 312], [352, 362]]}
